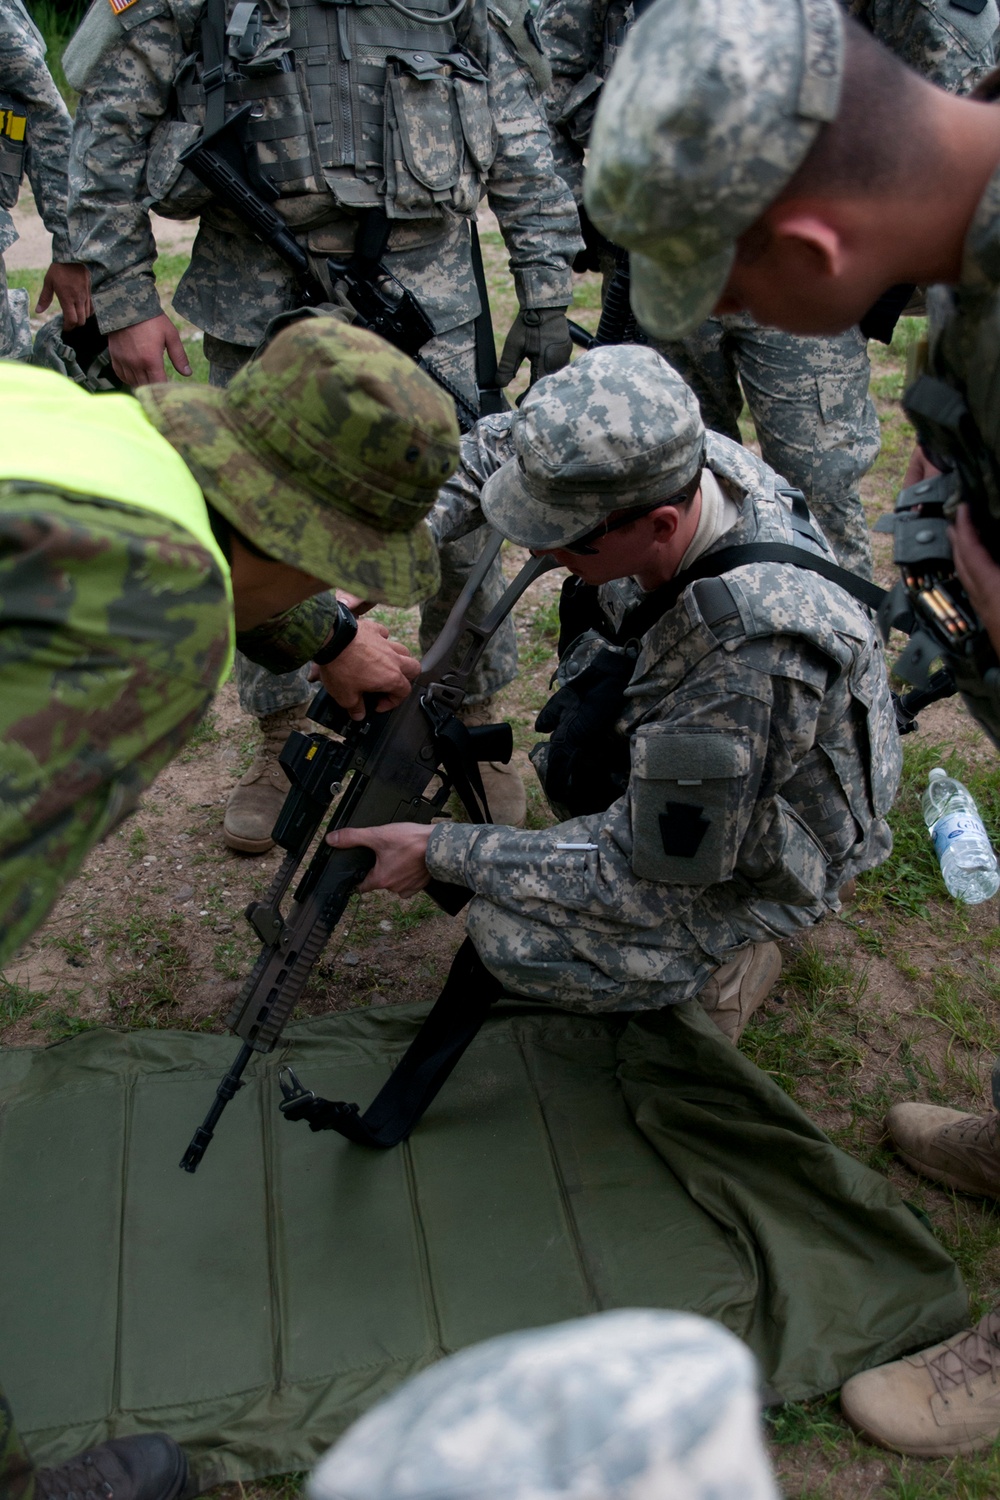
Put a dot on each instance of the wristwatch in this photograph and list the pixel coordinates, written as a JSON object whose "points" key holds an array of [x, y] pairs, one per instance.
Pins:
{"points": [[344, 631]]}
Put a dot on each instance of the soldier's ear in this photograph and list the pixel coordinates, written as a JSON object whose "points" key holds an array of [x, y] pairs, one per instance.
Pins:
{"points": [[806, 241]]}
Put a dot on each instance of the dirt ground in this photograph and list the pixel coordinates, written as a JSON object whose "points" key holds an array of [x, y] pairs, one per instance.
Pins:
{"points": [[897, 998]]}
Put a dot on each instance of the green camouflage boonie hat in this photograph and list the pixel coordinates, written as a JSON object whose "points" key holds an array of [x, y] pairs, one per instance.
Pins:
{"points": [[709, 110], [615, 429], [327, 452]]}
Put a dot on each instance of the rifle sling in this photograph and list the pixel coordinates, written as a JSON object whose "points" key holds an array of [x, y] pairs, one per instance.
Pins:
{"points": [[645, 615], [469, 993], [491, 397]]}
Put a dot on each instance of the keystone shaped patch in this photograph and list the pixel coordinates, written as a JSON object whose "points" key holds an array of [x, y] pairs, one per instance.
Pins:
{"points": [[682, 829]]}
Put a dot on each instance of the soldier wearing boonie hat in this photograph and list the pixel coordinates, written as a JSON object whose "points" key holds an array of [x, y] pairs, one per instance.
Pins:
{"points": [[653, 890], [153, 533]]}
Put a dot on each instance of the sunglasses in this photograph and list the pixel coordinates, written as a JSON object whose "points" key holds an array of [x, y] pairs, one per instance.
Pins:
{"points": [[584, 545]]}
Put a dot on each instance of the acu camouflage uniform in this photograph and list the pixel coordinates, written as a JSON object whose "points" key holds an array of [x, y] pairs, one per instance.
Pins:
{"points": [[634, 1405], [125, 149], [808, 396], [34, 138], [779, 705]]}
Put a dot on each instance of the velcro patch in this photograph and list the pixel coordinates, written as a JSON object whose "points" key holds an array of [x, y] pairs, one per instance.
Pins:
{"points": [[12, 124]]}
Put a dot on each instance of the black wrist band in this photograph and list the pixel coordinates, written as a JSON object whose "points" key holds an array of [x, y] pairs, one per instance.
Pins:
{"points": [[344, 632]]}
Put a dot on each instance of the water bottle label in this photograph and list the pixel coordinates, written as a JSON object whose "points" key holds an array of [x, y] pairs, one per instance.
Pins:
{"points": [[952, 827]]}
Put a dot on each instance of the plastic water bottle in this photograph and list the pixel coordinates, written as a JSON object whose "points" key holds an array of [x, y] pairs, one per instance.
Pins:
{"points": [[968, 864]]}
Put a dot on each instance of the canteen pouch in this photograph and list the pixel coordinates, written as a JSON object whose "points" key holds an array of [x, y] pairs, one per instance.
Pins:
{"points": [[685, 793], [440, 139], [13, 143]]}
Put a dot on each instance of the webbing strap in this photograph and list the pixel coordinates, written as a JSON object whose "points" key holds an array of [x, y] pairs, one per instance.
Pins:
{"points": [[469, 993], [491, 397], [645, 615], [213, 57]]}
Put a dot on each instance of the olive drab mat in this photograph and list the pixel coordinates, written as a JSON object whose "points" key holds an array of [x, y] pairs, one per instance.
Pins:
{"points": [[571, 1163]]}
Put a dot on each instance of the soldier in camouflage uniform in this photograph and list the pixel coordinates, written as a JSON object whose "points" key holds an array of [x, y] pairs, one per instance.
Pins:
{"points": [[756, 730], [619, 1406], [808, 397], [134, 550], [34, 138], [380, 109], [810, 138]]}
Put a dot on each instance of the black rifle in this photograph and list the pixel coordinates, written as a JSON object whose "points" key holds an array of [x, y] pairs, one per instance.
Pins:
{"points": [[229, 169], [391, 760], [617, 324]]}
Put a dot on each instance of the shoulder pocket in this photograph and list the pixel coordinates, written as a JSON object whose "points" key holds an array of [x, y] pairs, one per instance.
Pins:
{"points": [[13, 134], [685, 794]]}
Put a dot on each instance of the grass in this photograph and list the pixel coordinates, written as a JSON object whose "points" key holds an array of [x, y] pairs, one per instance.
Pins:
{"points": [[57, 20]]}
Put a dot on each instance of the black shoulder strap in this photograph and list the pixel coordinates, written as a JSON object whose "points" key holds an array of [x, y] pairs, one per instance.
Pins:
{"points": [[213, 56], [491, 397], [459, 1011], [645, 615]]}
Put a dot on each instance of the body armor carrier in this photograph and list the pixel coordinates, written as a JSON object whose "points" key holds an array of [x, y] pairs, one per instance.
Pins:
{"points": [[371, 105]]}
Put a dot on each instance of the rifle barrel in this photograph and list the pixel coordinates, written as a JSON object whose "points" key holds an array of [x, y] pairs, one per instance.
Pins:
{"points": [[229, 1086]]}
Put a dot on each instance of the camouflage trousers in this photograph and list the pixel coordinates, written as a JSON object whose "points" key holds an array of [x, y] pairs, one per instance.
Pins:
{"points": [[809, 400], [17, 1474], [114, 631], [15, 324], [262, 692]]}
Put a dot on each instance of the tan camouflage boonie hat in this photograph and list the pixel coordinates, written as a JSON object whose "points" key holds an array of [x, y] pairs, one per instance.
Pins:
{"points": [[327, 452], [709, 110], [615, 429]]}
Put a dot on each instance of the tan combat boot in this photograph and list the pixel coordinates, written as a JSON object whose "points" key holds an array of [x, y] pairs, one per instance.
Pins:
{"points": [[942, 1401], [503, 785], [255, 801], [960, 1150], [733, 993]]}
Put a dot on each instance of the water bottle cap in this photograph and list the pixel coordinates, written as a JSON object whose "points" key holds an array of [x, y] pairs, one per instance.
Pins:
{"points": [[938, 771]]}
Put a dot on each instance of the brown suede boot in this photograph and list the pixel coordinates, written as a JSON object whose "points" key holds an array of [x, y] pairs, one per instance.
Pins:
{"points": [[944, 1400], [255, 801], [960, 1150], [503, 785], [733, 993]]}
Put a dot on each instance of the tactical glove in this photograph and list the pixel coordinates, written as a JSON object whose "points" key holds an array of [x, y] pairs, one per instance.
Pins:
{"points": [[542, 335]]}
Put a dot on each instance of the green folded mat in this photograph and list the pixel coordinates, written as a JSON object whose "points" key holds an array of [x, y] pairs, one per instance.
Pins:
{"points": [[571, 1163]]}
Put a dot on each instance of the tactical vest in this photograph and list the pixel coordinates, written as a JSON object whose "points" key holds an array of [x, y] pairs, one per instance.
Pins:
{"points": [[57, 434], [366, 103], [13, 141]]}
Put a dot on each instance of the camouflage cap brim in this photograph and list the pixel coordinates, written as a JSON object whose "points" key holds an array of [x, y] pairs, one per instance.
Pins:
{"points": [[513, 508], [670, 299], [398, 567]]}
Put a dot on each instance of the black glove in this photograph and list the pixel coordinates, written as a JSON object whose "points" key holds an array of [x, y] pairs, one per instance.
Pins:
{"points": [[542, 335]]}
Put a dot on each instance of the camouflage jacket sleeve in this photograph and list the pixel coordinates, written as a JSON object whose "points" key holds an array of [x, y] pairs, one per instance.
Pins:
{"points": [[948, 44], [24, 76], [127, 93], [744, 711], [288, 641], [534, 208], [571, 32], [481, 452]]}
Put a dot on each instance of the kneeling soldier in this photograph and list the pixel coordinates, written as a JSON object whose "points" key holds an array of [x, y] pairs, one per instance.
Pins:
{"points": [[728, 756]]}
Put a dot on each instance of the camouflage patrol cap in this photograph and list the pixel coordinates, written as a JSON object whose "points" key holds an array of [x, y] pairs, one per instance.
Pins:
{"points": [[709, 110], [615, 429], [326, 452], [623, 1405]]}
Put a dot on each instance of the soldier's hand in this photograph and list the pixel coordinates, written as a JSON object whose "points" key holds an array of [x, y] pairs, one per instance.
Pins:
{"points": [[70, 283], [540, 335], [137, 352], [918, 468], [400, 855], [372, 663], [978, 571]]}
